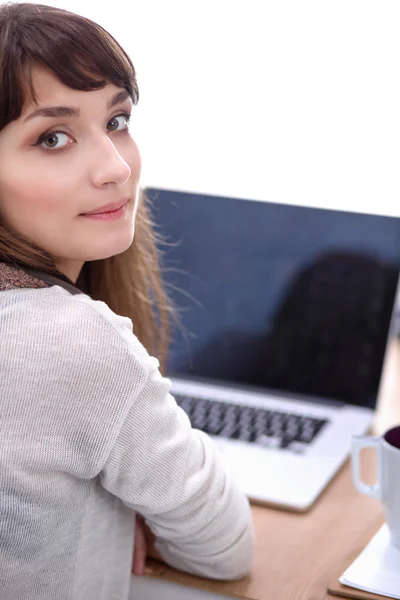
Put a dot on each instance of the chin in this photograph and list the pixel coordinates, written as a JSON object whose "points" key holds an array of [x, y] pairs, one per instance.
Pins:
{"points": [[113, 248]]}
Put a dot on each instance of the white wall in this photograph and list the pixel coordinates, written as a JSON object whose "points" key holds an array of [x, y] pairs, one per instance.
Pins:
{"points": [[294, 101]]}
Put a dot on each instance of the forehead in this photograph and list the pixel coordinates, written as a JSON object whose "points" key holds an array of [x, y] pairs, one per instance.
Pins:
{"points": [[50, 91]]}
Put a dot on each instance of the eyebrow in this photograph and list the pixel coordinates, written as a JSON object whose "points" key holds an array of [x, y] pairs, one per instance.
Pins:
{"points": [[69, 111]]}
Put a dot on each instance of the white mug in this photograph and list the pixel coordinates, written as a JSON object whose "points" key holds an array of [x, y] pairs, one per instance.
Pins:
{"points": [[387, 487]]}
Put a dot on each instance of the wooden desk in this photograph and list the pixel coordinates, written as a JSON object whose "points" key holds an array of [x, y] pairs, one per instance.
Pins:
{"points": [[298, 555]]}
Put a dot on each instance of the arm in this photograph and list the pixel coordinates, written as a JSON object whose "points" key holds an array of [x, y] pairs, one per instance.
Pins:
{"points": [[126, 429], [174, 477]]}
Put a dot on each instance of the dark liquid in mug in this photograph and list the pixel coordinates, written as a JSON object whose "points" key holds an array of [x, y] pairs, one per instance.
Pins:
{"points": [[393, 437]]}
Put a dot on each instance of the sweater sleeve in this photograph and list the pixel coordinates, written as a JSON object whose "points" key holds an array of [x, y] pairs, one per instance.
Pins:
{"points": [[126, 428], [173, 475]]}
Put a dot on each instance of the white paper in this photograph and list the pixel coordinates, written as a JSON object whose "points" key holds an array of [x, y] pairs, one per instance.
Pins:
{"points": [[377, 568]]}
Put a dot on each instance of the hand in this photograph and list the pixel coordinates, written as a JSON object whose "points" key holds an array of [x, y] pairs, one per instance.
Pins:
{"points": [[144, 546]]}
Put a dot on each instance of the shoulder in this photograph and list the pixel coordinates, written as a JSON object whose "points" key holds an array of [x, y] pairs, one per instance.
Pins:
{"points": [[80, 367], [74, 326]]}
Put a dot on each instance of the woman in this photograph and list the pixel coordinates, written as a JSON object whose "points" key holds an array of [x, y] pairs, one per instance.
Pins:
{"points": [[90, 435]]}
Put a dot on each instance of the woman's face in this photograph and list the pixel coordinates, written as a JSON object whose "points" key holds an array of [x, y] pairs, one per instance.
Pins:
{"points": [[54, 168]]}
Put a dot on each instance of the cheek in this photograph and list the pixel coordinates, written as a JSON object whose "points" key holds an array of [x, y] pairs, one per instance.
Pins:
{"points": [[32, 205], [34, 192]]}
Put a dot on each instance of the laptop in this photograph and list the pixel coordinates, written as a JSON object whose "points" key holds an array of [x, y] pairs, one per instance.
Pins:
{"points": [[285, 315]]}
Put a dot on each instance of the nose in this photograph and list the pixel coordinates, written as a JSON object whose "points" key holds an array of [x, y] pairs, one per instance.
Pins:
{"points": [[107, 164]]}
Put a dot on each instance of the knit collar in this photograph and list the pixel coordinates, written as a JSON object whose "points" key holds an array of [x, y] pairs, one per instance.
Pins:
{"points": [[13, 276]]}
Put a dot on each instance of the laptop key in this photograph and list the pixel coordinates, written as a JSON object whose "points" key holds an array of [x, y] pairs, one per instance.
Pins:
{"points": [[227, 431], [307, 435], [245, 435], [213, 428], [198, 421], [185, 403], [231, 411]]}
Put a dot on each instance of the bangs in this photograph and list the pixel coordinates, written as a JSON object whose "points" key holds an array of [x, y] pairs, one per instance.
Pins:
{"points": [[81, 53]]}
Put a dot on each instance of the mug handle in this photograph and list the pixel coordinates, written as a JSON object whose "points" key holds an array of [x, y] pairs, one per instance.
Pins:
{"points": [[358, 443]]}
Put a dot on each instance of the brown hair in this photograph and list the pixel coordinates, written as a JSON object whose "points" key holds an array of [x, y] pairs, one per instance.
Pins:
{"points": [[84, 56]]}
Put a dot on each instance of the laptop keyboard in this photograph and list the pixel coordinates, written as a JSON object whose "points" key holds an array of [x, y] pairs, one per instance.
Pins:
{"points": [[268, 428]]}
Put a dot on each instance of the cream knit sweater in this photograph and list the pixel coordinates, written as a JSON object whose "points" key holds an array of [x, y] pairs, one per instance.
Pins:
{"points": [[89, 434]]}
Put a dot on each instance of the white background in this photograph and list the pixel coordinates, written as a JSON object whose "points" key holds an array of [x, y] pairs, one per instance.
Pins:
{"points": [[287, 101]]}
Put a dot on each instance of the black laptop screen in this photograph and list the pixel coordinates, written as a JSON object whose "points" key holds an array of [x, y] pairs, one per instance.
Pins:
{"points": [[283, 297]]}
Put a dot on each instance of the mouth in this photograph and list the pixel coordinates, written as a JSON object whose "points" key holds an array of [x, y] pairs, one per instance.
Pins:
{"points": [[109, 212], [108, 208]]}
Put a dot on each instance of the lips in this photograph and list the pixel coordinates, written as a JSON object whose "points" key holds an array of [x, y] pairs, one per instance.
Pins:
{"points": [[114, 206]]}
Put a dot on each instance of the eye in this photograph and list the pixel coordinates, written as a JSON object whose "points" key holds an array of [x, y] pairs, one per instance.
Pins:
{"points": [[53, 137], [115, 122]]}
